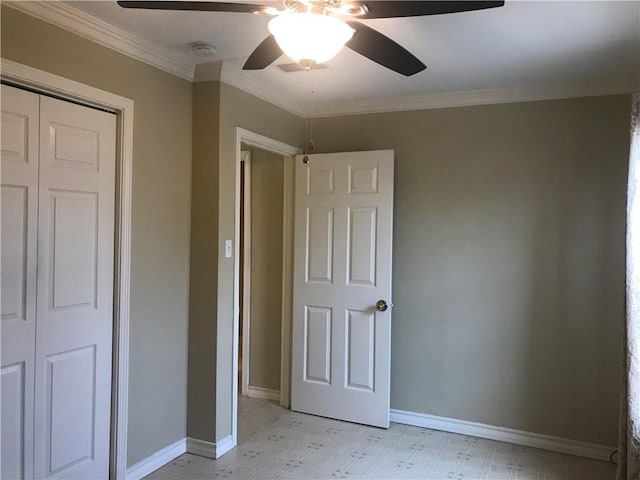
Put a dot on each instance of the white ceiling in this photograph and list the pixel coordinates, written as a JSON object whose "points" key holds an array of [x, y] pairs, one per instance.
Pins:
{"points": [[525, 44]]}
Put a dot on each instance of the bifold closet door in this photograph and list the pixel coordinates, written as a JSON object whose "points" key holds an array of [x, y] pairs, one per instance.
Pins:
{"points": [[75, 291], [58, 193], [18, 244]]}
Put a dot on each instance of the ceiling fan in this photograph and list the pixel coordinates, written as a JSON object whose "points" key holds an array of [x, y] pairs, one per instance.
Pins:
{"points": [[313, 31]]}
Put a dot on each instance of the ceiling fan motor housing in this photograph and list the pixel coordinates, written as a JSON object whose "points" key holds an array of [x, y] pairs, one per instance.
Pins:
{"points": [[352, 9]]}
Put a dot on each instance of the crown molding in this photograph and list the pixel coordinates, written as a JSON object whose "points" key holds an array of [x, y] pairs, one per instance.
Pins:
{"points": [[234, 76], [231, 75], [208, 72], [76, 21], [469, 98]]}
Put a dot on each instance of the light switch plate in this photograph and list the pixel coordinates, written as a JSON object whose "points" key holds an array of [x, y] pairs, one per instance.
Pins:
{"points": [[228, 249]]}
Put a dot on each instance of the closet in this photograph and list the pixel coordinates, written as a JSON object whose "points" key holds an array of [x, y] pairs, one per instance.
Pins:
{"points": [[57, 252]]}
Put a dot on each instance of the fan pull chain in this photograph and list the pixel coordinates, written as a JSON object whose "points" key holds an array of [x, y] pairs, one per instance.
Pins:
{"points": [[311, 145], [308, 125]]}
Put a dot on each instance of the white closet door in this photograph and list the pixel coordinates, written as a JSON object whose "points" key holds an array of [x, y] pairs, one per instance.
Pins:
{"points": [[75, 291], [19, 163]]}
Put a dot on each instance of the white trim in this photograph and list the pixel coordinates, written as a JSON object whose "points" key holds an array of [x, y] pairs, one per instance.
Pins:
{"points": [[76, 21], [252, 139], [466, 99], [41, 81], [244, 80], [265, 143], [518, 437], [224, 445], [210, 449], [245, 157], [247, 82], [156, 460], [208, 72], [184, 66], [263, 393], [287, 280]]}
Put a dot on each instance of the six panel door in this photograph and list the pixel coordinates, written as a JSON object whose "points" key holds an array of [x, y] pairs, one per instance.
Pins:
{"points": [[18, 244], [342, 267], [68, 278]]}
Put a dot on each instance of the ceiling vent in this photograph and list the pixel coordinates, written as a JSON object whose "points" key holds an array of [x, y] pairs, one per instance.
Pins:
{"points": [[296, 67]]}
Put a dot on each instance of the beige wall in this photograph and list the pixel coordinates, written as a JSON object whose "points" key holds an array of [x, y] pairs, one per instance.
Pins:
{"points": [[204, 263], [267, 197], [508, 260], [238, 109], [160, 216]]}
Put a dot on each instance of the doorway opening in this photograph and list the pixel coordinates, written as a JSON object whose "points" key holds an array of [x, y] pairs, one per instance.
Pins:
{"points": [[278, 300], [262, 192]]}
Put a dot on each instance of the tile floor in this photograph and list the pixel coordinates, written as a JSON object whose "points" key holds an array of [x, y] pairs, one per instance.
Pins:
{"points": [[274, 443]]}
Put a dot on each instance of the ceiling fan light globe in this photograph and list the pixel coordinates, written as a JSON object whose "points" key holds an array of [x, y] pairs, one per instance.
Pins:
{"points": [[310, 36]]}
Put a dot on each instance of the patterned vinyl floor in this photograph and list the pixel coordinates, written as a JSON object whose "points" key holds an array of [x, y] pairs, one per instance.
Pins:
{"points": [[274, 443]]}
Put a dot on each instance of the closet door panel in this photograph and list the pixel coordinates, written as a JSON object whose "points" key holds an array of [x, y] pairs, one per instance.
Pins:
{"points": [[18, 252], [73, 250], [75, 291]]}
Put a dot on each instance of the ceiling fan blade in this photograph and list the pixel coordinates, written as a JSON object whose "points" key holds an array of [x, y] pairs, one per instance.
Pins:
{"points": [[196, 6], [264, 55], [381, 49], [411, 8]]}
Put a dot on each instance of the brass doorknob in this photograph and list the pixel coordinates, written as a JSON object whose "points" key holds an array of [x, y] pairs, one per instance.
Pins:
{"points": [[382, 306]]}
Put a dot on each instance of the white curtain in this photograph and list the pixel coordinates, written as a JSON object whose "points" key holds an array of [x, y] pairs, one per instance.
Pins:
{"points": [[629, 437]]}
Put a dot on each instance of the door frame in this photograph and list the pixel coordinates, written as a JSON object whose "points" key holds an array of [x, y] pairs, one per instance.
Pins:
{"points": [[289, 152], [245, 158], [46, 83]]}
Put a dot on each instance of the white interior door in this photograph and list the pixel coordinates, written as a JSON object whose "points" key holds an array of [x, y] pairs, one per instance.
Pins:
{"points": [[74, 291], [342, 268], [19, 163]]}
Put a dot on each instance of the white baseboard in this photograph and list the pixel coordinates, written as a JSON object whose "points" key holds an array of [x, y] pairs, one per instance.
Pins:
{"points": [[224, 445], [186, 445], [210, 449], [518, 437], [263, 393], [155, 461]]}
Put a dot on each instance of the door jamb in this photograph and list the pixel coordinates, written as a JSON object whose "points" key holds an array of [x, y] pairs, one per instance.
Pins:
{"points": [[47, 83], [253, 139], [245, 157], [287, 280]]}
